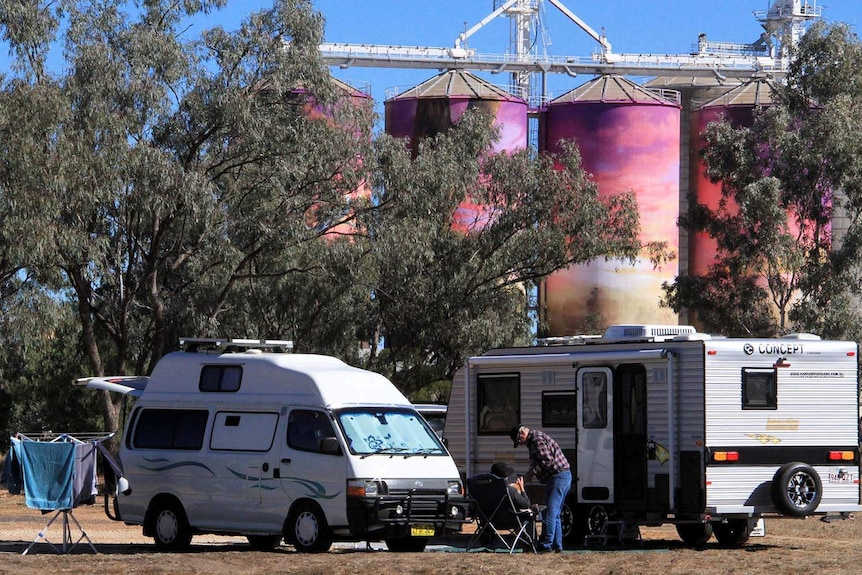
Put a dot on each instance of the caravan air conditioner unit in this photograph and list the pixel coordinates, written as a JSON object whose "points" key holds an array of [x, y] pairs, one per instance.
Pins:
{"points": [[646, 332]]}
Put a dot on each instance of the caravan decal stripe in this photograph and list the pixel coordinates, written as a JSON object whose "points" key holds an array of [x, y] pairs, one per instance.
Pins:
{"points": [[260, 480], [771, 454], [315, 490], [176, 465]]}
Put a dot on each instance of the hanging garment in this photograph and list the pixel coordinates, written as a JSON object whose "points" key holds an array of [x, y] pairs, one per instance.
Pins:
{"points": [[84, 479], [12, 477], [49, 468]]}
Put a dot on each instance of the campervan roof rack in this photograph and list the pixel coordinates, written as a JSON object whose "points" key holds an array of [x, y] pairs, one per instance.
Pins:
{"points": [[204, 344]]}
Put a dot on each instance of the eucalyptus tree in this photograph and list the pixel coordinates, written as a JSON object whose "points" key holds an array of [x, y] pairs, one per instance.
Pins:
{"points": [[783, 179], [157, 174], [444, 290]]}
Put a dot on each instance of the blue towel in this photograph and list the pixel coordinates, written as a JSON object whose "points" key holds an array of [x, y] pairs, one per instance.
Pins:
{"points": [[49, 469]]}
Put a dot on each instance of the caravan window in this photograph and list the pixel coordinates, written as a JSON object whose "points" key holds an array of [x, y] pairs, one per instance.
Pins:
{"points": [[595, 401], [759, 388], [243, 431], [170, 429], [220, 378], [559, 408], [498, 398]]}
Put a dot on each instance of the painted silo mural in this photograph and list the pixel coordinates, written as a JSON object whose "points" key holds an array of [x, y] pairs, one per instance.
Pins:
{"points": [[363, 102], [737, 107], [629, 139], [437, 104]]}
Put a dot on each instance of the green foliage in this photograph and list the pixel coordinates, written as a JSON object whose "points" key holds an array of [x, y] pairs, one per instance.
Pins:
{"points": [[160, 186], [445, 288], [38, 361], [783, 179]]}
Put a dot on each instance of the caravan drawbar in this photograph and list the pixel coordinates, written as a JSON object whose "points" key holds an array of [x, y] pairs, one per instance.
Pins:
{"points": [[662, 424]]}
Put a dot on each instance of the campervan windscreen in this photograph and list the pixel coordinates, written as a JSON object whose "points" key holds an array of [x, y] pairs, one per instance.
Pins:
{"points": [[388, 431]]}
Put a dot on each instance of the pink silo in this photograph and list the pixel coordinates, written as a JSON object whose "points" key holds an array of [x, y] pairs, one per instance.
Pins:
{"points": [[629, 139], [737, 107], [437, 104], [351, 111]]}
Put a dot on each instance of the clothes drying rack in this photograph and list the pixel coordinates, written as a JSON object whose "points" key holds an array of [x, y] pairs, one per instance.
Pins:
{"points": [[68, 517]]}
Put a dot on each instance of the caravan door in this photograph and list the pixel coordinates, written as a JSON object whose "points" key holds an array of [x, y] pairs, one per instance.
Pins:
{"points": [[595, 479]]}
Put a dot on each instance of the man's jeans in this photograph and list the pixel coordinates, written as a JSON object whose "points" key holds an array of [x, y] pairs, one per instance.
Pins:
{"points": [[556, 488]]}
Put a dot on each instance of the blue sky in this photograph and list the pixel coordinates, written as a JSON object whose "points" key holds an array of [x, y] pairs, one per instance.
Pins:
{"points": [[634, 26]]}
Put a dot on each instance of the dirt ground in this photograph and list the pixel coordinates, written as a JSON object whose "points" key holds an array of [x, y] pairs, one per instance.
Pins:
{"points": [[790, 546]]}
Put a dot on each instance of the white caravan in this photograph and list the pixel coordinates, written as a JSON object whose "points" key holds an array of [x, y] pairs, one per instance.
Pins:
{"points": [[271, 445], [664, 425]]}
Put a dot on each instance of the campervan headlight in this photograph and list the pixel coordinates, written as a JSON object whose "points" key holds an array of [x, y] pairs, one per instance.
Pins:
{"points": [[363, 488], [454, 488]]}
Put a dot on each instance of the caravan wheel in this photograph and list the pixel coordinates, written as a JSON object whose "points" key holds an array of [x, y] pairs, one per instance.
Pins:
{"points": [[734, 533], [567, 521], [597, 520], [796, 489], [694, 534]]}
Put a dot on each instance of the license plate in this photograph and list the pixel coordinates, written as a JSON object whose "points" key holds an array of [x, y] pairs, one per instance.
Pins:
{"points": [[422, 530]]}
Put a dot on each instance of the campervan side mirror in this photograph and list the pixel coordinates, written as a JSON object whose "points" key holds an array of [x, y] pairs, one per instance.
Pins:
{"points": [[123, 486], [329, 446]]}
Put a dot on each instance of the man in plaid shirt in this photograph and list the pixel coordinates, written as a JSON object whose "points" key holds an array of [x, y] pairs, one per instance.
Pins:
{"points": [[549, 466]]}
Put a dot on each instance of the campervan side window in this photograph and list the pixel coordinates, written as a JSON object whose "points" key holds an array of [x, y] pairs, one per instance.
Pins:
{"points": [[559, 408], [243, 431], [595, 403], [170, 429], [306, 428], [225, 378], [498, 403], [759, 388]]}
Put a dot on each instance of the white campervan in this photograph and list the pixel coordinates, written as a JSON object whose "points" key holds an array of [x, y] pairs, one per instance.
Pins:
{"points": [[279, 445]]}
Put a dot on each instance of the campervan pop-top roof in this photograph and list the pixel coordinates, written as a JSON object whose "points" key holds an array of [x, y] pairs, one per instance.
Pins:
{"points": [[320, 379]]}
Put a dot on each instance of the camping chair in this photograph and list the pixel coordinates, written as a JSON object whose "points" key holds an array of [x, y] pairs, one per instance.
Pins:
{"points": [[499, 520]]}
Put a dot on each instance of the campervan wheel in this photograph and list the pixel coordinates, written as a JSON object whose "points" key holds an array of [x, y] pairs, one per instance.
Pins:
{"points": [[309, 529], [170, 527]]}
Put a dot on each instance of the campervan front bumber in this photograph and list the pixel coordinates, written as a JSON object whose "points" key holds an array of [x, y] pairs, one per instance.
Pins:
{"points": [[665, 425], [279, 445]]}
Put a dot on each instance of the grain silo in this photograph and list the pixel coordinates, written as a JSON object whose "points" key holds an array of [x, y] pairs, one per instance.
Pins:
{"points": [[437, 104], [628, 138], [352, 111], [736, 106]]}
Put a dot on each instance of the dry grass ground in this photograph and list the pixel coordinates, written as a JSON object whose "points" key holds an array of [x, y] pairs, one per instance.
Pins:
{"points": [[791, 546]]}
